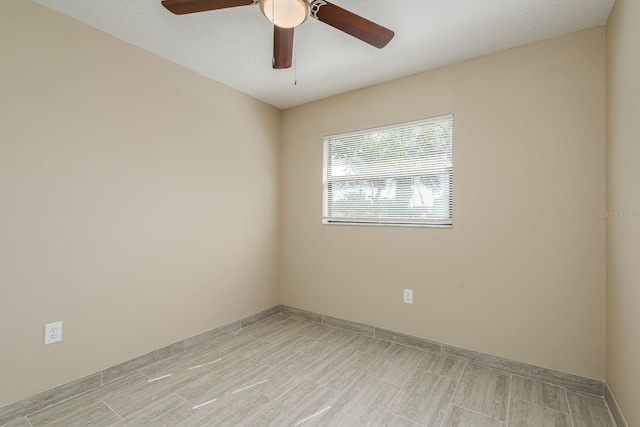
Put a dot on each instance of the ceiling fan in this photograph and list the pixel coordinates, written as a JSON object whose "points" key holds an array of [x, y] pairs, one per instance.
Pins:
{"points": [[288, 14]]}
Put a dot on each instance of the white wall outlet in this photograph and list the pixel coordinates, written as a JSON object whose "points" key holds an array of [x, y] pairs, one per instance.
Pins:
{"points": [[408, 296], [52, 332]]}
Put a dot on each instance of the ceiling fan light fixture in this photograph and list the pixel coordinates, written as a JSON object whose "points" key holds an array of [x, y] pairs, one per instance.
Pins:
{"points": [[285, 13]]}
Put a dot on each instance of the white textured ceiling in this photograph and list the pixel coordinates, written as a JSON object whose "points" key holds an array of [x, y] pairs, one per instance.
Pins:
{"points": [[234, 46]]}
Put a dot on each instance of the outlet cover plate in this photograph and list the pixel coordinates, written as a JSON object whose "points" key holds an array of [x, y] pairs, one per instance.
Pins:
{"points": [[408, 296], [52, 333]]}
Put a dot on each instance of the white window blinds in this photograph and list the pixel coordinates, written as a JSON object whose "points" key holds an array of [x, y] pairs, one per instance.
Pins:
{"points": [[396, 175]]}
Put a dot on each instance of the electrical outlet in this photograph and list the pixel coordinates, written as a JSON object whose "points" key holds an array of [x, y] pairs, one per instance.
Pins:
{"points": [[52, 333], [408, 296]]}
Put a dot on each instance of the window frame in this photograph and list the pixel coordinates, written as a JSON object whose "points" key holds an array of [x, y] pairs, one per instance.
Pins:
{"points": [[363, 221]]}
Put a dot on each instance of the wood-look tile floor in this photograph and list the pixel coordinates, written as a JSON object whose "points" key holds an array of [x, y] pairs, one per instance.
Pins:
{"points": [[288, 372]]}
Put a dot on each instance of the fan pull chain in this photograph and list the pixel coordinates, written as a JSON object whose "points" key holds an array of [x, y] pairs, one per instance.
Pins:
{"points": [[295, 61]]}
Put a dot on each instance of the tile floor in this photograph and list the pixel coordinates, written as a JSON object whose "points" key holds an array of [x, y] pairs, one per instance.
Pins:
{"points": [[288, 372]]}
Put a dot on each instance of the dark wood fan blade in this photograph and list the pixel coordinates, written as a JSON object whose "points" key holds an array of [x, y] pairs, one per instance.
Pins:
{"points": [[181, 7], [282, 47], [350, 23]]}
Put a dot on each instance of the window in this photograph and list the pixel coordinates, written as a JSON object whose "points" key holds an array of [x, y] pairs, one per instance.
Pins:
{"points": [[396, 175]]}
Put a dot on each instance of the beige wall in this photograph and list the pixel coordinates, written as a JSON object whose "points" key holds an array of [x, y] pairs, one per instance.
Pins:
{"points": [[522, 272], [138, 201], [623, 194]]}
